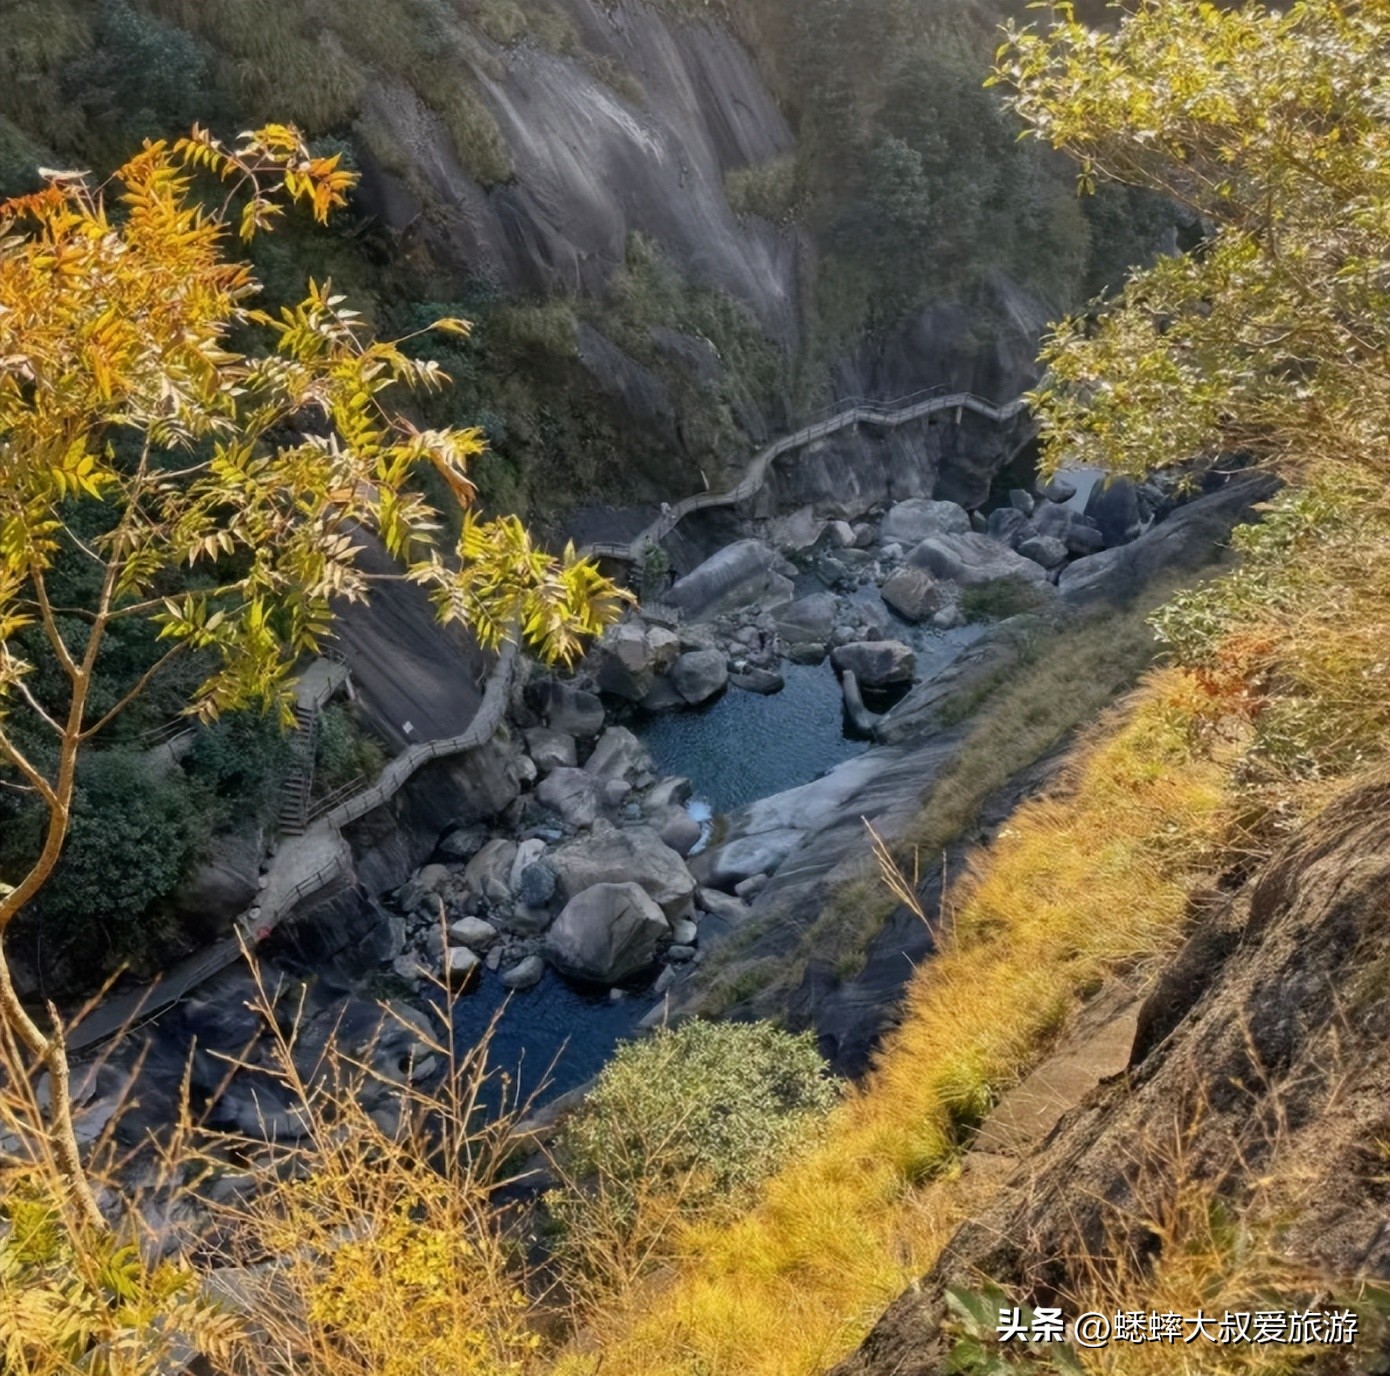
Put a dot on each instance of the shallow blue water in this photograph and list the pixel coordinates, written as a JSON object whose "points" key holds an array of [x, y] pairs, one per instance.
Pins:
{"points": [[555, 1034], [746, 746]]}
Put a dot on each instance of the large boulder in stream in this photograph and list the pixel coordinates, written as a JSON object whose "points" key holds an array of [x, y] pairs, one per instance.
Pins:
{"points": [[1113, 507], [606, 933], [971, 559], [807, 619], [912, 521], [629, 656], [744, 572], [913, 593], [633, 855], [698, 675], [876, 663]]}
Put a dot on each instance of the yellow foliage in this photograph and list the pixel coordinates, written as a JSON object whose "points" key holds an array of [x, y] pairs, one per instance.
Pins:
{"points": [[1076, 885]]}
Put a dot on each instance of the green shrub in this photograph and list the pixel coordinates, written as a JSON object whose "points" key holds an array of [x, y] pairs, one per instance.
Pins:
{"points": [[722, 1102], [134, 831], [20, 159], [772, 189], [235, 769], [1002, 598], [343, 753], [679, 1127]]}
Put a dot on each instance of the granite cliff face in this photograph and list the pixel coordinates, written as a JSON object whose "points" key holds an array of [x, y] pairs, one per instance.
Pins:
{"points": [[594, 165]]}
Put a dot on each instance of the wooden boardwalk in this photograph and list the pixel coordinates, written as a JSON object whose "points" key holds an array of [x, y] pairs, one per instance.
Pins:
{"points": [[303, 866], [886, 415]]}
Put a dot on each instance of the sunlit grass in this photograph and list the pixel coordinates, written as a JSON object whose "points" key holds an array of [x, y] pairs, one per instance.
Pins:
{"points": [[1075, 886]]}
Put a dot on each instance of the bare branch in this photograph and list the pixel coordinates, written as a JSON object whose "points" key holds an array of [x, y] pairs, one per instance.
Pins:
{"points": [[126, 699], [40, 785], [49, 621]]}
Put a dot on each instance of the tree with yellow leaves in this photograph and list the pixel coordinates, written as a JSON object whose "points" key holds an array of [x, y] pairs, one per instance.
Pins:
{"points": [[212, 466]]}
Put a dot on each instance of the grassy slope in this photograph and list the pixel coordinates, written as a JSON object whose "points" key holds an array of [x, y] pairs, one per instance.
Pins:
{"points": [[1077, 885]]}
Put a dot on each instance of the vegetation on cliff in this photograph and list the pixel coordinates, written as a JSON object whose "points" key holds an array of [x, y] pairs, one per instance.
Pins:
{"points": [[1266, 342], [211, 495]]}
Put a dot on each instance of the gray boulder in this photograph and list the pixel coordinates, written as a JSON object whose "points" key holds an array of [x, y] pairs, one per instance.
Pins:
{"points": [[806, 651], [876, 663], [616, 755], [629, 657], [606, 933], [973, 559], [472, 932], [463, 843], [912, 521], [524, 974], [527, 853], [569, 709], [1021, 500], [1008, 525], [489, 872], [461, 965], [734, 576], [1114, 508], [680, 831], [551, 749], [729, 865], [1046, 550], [225, 883], [1082, 540], [912, 593], [670, 792], [536, 884], [633, 855], [807, 619], [754, 680], [662, 697], [1077, 532], [699, 675], [573, 794], [1055, 489]]}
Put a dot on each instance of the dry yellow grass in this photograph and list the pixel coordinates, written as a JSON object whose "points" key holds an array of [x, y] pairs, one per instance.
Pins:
{"points": [[1075, 886]]}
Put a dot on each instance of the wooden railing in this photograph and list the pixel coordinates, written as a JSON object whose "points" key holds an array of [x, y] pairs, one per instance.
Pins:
{"points": [[848, 413], [398, 771]]}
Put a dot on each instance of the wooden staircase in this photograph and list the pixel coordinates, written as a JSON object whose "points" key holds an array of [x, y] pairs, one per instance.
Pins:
{"points": [[296, 792]]}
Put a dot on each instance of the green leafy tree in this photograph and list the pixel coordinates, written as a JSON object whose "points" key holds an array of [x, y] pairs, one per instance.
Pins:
{"points": [[214, 465], [1269, 126]]}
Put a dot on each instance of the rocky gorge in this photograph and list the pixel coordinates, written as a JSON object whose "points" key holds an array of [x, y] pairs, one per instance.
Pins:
{"points": [[562, 882]]}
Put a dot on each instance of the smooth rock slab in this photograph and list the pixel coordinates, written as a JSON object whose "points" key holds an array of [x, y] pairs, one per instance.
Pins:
{"points": [[606, 933]]}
